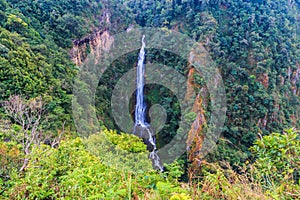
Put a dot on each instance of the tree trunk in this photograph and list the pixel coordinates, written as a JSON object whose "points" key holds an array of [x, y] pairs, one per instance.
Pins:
{"points": [[25, 163]]}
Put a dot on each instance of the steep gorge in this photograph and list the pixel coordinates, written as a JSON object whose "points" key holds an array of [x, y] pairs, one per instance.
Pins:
{"points": [[101, 40], [254, 47], [262, 84]]}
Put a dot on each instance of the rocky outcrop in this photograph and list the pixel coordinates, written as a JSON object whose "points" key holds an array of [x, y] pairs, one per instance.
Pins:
{"points": [[195, 135], [295, 78], [264, 80], [94, 44]]}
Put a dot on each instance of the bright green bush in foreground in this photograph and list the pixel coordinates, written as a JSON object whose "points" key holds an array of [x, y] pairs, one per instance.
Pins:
{"points": [[72, 172], [273, 175], [108, 165], [277, 165]]}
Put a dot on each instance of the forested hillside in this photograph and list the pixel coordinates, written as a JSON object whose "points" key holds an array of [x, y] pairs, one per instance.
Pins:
{"points": [[44, 45]]}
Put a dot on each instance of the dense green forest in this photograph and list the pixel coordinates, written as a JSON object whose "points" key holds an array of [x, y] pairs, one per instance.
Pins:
{"points": [[255, 45]]}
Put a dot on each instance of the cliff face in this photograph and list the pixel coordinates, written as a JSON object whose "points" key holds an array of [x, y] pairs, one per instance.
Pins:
{"points": [[295, 80], [295, 77], [102, 40], [94, 44], [196, 135], [264, 79], [292, 79]]}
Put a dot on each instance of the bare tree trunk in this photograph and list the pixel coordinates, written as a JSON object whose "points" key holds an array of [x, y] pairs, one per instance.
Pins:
{"points": [[29, 115], [26, 159], [25, 163]]}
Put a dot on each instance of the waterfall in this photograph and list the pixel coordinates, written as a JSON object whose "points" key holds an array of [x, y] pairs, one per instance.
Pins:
{"points": [[141, 127], [140, 105]]}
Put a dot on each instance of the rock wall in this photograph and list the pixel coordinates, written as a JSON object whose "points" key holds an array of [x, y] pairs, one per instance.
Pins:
{"points": [[195, 135], [93, 44]]}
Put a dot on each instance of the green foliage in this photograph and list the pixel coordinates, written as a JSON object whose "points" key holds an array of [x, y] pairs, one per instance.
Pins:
{"points": [[246, 42], [31, 63], [277, 158], [190, 117], [166, 188], [126, 142], [224, 183], [69, 172], [119, 151], [73, 172], [64, 21], [227, 151], [174, 171], [10, 158], [273, 175], [254, 43], [15, 23], [180, 196]]}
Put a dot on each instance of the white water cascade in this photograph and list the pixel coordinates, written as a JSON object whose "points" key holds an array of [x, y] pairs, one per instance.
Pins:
{"points": [[141, 127]]}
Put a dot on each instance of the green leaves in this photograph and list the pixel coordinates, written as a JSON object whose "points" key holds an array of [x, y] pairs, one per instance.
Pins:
{"points": [[126, 142], [15, 23], [72, 172], [33, 66], [277, 157]]}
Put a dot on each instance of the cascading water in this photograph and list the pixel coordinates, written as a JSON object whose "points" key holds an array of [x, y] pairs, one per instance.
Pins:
{"points": [[141, 127], [140, 105]]}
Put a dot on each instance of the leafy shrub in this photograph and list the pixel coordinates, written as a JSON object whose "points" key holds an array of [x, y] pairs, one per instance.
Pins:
{"points": [[174, 171], [71, 171], [125, 141], [220, 183], [277, 164], [48, 170], [277, 155], [274, 174], [166, 189], [10, 158], [123, 152], [181, 196]]}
